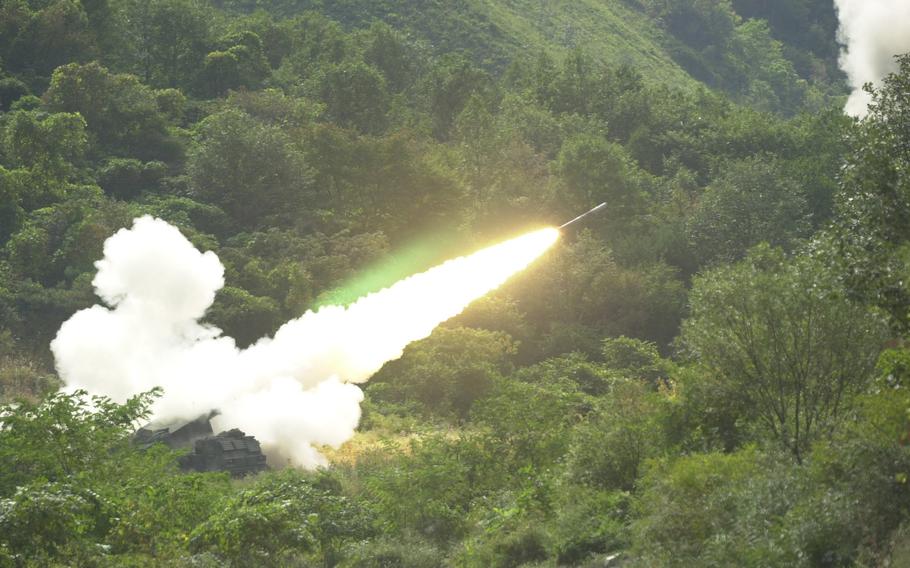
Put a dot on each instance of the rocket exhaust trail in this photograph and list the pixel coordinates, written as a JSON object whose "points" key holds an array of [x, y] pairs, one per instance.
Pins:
{"points": [[295, 390], [583, 215]]}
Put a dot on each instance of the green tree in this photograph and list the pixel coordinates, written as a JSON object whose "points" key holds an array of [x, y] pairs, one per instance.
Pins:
{"points": [[273, 106], [807, 25], [45, 152], [752, 201], [385, 49], [316, 42], [51, 523], [581, 295], [277, 34], [58, 33], [574, 88], [239, 62], [64, 437], [167, 39], [355, 96], [75, 489], [843, 507], [446, 372], [14, 16], [12, 213], [121, 113], [163, 506], [635, 359], [374, 181], [816, 159], [589, 377], [873, 205], [251, 170], [529, 424], [52, 144], [773, 84], [441, 475], [446, 89], [58, 243], [610, 447], [697, 23], [597, 170], [782, 332]]}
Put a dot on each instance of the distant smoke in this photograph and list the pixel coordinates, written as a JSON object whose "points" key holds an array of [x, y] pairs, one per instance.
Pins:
{"points": [[292, 391], [874, 31]]}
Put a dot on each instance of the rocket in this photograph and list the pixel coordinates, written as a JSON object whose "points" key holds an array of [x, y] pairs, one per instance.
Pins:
{"points": [[583, 215]]}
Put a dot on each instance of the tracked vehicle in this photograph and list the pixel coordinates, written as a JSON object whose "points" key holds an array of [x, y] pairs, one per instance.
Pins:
{"points": [[232, 451]]}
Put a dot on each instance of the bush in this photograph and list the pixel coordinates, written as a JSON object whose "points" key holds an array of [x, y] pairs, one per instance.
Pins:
{"points": [[529, 424], [157, 515], [281, 516], [508, 549], [635, 359], [427, 490], [63, 435], [405, 551], [52, 522], [716, 510], [611, 445], [446, 372], [588, 522]]}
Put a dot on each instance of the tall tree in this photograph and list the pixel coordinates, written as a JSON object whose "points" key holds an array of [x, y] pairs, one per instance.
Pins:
{"points": [[252, 170], [873, 206], [60, 33], [168, 39], [121, 113], [750, 202], [781, 333]]}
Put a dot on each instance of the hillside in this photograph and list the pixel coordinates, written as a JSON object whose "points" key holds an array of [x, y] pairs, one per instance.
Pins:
{"points": [[759, 53], [499, 32], [231, 208]]}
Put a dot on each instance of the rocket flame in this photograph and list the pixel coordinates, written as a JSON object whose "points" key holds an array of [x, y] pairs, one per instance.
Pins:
{"points": [[292, 391], [377, 327]]}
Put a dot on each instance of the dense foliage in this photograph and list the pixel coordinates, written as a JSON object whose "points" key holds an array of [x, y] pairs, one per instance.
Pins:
{"points": [[712, 373]]}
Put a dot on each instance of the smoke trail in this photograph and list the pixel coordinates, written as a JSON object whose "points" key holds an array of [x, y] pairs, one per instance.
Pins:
{"points": [[873, 31], [292, 391]]}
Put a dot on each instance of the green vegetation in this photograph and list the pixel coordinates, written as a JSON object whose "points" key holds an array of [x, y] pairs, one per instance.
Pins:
{"points": [[712, 373]]}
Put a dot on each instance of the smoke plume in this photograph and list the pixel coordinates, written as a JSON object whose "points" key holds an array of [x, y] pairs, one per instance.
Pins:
{"points": [[873, 32], [293, 391]]}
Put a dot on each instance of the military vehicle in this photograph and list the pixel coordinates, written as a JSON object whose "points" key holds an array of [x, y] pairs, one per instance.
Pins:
{"points": [[231, 451]]}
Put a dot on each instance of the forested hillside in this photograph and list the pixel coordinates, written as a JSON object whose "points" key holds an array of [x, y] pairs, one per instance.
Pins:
{"points": [[712, 372]]}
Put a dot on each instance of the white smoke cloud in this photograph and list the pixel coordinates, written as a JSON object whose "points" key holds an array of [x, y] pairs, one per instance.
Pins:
{"points": [[873, 31], [292, 391]]}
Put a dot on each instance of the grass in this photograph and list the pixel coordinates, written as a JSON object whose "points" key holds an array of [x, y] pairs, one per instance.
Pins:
{"points": [[495, 32], [608, 30]]}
